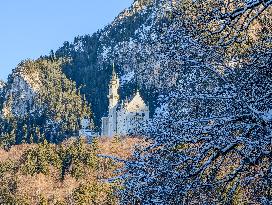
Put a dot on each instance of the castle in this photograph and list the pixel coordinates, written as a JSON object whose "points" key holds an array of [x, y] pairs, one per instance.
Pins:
{"points": [[125, 117]]}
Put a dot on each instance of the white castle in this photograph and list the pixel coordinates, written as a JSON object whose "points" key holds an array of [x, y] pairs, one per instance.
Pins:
{"points": [[124, 117]]}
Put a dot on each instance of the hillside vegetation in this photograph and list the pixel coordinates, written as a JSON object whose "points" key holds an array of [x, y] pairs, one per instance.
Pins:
{"points": [[69, 173], [40, 102], [203, 67]]}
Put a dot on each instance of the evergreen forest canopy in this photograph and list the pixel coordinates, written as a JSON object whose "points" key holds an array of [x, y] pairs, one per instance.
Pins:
{"points": [[205, 69], [48, 106]]}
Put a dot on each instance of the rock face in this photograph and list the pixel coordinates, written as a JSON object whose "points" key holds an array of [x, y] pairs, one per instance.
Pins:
{"points": [[21, 92], [2, 85], [19, 97], [39, 102]]}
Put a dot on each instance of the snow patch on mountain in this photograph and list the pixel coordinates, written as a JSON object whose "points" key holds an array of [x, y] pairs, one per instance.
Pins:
{"points": [[2, 84], [127, 78], [105, 52], [79, 47], [32, 80], [19, 96]]}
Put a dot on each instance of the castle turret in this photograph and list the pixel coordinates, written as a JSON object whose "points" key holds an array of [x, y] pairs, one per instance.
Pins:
{"points": [[113, 89], [113, 102]]}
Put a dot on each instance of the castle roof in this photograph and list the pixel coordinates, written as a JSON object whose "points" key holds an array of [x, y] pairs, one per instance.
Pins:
{"points": [[137, 103]]}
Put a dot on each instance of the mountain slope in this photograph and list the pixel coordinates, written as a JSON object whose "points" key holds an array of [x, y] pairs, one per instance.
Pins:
{"points": [[147, 45], [129, 42], [41, 103]]}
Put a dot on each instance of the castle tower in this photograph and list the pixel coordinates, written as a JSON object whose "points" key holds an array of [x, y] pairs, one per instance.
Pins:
{"points": [[126, 117], [113, 102], [113, 89]]}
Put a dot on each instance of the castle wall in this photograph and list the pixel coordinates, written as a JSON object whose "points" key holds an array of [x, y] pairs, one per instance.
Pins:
{"points": [[129, 118], [105, 126], [112, 122], [131, 122]]}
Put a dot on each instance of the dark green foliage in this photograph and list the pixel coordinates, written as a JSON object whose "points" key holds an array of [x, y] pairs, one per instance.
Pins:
{"points": [[72, 168], [83, 70], [74, 158], [38, 160], [89, 194], [7, 138], [52, 111]]}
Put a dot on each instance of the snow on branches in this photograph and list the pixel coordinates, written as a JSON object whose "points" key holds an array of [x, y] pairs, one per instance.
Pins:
{"points": [[211, 137], [227, 21]]}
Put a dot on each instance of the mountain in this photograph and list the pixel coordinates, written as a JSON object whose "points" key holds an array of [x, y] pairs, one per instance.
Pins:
{"points": [[46, 97], [137, 41], [150, 48], [39, 102], [147, 46], [130, 41], [2, 85]]}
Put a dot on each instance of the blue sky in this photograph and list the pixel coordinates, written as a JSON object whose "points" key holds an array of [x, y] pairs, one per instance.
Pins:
{"points": [[30, 28]]}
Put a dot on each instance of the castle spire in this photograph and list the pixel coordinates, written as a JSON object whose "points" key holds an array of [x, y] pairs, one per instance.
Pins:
{"points": [[113, 67], [114, 75]]}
